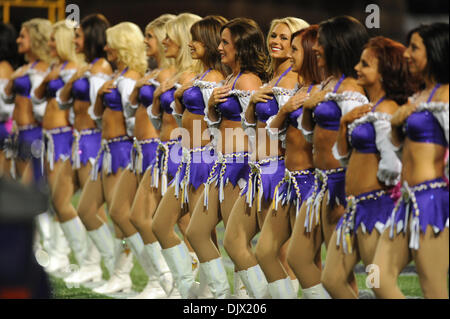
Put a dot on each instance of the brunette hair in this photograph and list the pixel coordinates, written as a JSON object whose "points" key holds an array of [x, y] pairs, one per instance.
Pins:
{"points": [[248, 41], [94, 28], [393, 68], [309, 69], [343, 39], [207, 31], [435, 39]]}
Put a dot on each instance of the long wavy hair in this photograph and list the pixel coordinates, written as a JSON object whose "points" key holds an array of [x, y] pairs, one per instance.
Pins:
{"points": [[39, 31], [94, 28], [248, 41], [128, 40], [178, 30], [65, 47], [158, 27], [435, 39], [207, 31], [343, 39], [309, 70], [294, 24], [393, 68]]}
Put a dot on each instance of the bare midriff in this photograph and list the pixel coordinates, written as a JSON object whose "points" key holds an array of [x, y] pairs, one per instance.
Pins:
{"points": [[361, 174], [143, 128], [197, 129], [113, 124], [265, 146], [422, 162], [323, 142], [54, 117], [168, 125], [83, 120], [23, 111], [233, 138], [298, 153]]}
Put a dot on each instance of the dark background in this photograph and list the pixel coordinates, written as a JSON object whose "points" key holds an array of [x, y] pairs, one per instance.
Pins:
{"points": [[397, 16]]}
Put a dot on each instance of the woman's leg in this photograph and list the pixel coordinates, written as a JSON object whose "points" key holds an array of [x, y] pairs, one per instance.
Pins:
{"points": [[275, 232], [66, 185], [168, 213], [122, 200], [330, 217], [203, 221], [338, 267], [432, 263], [144, 207], [391, 256], [304, 252]]}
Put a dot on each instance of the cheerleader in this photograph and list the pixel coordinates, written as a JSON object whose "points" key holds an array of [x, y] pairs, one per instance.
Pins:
{"points": [[419, 223], [78, 95], [337, 38], [198, 152], [8, 62], [242, 49], [299, 174], [125, 50], [197, 156], [134, 201], [364, 148], [267, 166]]}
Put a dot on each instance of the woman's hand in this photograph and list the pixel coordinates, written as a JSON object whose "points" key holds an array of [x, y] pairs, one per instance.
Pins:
{"points": [[314, 100], [143, 81], [106, 88], [294, 102], [355, 114], [219, 95], [262, 95], [403, 113], [168, 84], [18, 73], [80, 72], [179, 92]]}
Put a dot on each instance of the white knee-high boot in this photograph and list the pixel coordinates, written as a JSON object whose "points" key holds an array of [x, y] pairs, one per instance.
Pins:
{"points": [[282, 289], [160, 270], [316, 292], [120, 279], [255, 281], [104, 241], [180, 263], [152, 290], [217, 278]]}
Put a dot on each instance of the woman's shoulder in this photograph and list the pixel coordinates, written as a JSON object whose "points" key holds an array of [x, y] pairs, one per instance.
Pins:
{"points": [[350, 84], [248, 82], [5, 69], [101, 66]]}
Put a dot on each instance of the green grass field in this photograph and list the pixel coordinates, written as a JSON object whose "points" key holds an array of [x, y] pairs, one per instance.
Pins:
{"points": [[408, 283]]}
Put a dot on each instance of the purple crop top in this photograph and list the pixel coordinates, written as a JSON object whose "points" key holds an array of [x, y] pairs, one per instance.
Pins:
{"points": [[328, 114], [113, 100], [54, 85], [264, 111], [423, 127], [231, 108], [22, 85], [363, 137], [80, 88], [193, 98], [146, 94]]}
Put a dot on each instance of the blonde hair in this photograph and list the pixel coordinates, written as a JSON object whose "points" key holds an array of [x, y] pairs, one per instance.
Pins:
{"points": [[64, 35], [178, 30], [158, 27], [128, 40], [294, 24], [39, 31]]}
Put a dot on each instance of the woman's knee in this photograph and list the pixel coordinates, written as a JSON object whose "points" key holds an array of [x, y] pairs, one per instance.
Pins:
{"points": [[196, 234], [119, 215], [265, 253]]}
